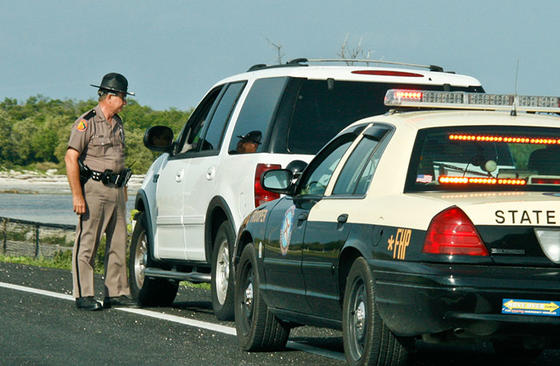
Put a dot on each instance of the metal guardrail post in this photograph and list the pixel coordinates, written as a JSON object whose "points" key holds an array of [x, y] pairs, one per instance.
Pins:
{"points": [[4, 230], [36, 241]]}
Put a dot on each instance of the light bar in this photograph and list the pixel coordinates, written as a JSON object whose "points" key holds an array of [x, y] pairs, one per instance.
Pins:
{"points": [[544, 181], [444, 179], [465, 100], [507, 139]]}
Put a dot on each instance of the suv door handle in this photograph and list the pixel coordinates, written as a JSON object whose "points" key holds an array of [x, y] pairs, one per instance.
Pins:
{"points": [[179, 175], [211, 173]]}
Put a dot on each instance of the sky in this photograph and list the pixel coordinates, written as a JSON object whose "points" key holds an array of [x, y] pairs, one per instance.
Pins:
{"points": [[173, 51]]}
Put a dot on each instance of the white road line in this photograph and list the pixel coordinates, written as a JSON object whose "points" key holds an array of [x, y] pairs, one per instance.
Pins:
{"points": [[36, 291], [181, 320]]}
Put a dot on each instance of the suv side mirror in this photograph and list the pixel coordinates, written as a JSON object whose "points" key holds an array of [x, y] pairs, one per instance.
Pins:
{"points": [[159, 138], [277, 181]]}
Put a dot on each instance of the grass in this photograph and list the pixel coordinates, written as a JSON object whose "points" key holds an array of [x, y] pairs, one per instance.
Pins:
{"points": [[38, 262], [204, 286]]}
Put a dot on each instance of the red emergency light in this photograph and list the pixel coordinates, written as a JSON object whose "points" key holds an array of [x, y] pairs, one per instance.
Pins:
{"points": [[444, 179], [507, 139]]}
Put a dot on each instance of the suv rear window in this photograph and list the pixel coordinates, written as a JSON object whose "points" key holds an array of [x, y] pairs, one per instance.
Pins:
{"points": [[324, 107], [485, 158], [257, 111]]}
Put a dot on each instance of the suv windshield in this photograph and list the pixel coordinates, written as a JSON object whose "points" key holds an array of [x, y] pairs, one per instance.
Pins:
{"points": [[485, 158], [324, 107]]}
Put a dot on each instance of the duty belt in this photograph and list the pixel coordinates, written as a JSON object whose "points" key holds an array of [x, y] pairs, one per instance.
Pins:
{"points": [[110, 178]]}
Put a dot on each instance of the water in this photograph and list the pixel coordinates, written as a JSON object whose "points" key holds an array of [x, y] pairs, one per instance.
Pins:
{"points": [[44, 208]]}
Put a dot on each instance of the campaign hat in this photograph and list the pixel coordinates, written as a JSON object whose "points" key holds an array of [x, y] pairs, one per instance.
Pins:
{"points": [[114, 82]]}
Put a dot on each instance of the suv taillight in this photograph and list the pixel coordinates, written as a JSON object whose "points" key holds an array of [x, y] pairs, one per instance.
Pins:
{"points": [[451, 232], [262, 195]]}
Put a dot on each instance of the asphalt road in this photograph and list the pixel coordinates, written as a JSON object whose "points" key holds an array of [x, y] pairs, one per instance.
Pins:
{"points": [[40, 329]]}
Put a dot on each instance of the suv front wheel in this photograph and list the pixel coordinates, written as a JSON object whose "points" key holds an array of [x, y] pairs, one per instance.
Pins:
{"points": [[145, 290], [222, 280]]}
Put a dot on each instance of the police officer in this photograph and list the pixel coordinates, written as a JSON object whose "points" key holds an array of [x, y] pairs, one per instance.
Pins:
{"points": [[97, 177]]}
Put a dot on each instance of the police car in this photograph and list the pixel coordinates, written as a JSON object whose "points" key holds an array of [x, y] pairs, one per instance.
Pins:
{"points": [[437, 221]]}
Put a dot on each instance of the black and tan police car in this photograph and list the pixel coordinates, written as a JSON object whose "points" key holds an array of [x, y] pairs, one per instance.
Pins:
{"points": [[433, 225]]}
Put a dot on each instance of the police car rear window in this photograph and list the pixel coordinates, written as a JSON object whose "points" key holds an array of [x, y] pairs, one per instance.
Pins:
{"points": [[485, 158]]}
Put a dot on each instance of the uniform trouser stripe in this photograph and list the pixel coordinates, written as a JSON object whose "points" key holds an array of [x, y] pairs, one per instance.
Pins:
{"points": [[77, 267]]}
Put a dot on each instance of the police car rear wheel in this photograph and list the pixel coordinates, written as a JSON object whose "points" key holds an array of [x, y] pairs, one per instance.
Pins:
{"points": [[367, 341], [147, 291], [221, 285], [257, 328]]}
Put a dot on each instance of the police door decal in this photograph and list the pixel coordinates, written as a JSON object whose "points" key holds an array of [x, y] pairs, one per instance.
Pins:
{"points": [[399, 243], [286, 230]]}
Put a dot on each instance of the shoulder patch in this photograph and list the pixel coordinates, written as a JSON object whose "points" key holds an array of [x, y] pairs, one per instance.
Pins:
{"points": [[82, 125]]}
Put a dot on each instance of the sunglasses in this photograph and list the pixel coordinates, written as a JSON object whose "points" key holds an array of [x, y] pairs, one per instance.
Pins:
{"points": [[121, 95]]}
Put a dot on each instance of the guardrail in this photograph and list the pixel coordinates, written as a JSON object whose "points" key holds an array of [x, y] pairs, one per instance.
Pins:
{"points": [[4, 221]]}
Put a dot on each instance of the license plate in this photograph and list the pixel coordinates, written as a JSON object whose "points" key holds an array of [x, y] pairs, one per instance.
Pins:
{"points": [[531, 307]]}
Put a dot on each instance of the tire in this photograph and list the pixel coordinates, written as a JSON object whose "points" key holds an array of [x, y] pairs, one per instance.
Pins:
{"points": [[367, 340], [147, 291], [257, 328], [222, 275]]}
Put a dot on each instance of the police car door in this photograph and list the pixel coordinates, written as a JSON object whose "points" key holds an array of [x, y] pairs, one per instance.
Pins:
{"points": [[284, 279], [330, 222]]}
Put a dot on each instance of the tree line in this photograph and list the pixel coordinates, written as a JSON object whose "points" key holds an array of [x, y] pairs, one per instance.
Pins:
{"points": [[34, 134]]}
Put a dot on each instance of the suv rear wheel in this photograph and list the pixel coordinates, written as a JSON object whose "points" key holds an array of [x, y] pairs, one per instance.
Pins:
{"points": [[147, 291], [222, 280]]}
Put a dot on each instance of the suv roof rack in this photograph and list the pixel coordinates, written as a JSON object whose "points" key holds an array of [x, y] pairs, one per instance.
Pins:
{"points": [[265, 66], [369, 61], [303, 61]]}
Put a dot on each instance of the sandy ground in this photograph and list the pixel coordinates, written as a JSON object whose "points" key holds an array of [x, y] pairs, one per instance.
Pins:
{"points": [[49, 183]]}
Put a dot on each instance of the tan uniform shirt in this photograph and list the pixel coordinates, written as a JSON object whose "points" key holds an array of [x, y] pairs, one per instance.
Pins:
{"points": [[100, 144]]}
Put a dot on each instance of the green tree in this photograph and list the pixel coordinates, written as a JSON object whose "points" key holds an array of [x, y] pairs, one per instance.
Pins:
{"points": [[37, 131]]}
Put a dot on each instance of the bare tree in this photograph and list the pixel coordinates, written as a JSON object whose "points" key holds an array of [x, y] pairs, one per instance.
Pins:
{"points": [[353, 53]]}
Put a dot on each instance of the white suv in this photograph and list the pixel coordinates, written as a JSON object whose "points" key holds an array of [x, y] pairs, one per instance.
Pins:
{"points": [[197, 193]]}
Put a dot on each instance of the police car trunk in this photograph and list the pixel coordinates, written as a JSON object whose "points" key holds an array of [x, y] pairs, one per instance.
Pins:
{"points": [[482, 201]]}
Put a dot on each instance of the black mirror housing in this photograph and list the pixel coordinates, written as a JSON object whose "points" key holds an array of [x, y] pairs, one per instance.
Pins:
{"points": [[159, 138]]}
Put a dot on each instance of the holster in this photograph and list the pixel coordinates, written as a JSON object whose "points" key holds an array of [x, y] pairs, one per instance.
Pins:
{"points": [[85, 172]]}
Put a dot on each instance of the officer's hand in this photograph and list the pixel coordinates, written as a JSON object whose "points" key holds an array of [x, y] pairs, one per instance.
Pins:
{"points": [[79, 205]]}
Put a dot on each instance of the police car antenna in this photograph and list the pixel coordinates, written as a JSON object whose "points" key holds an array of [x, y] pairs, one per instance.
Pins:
{"points": [[515, 97]]}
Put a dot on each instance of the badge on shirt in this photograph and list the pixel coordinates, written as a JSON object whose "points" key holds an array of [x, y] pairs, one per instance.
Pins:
{"points": [[82, 125]]}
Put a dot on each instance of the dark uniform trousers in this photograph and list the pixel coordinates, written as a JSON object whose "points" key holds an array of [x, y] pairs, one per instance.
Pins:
{"points": [[105, 213]]}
